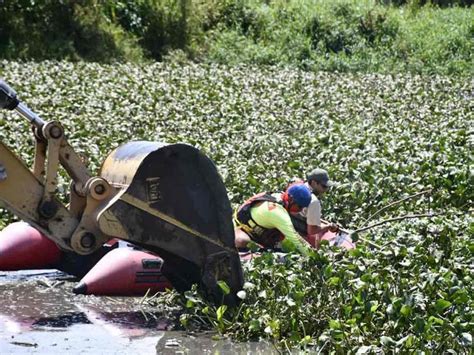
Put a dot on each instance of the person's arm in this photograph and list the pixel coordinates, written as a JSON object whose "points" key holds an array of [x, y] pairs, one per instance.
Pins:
{"points": [[313, 222], [279, 218], [319, 231]]}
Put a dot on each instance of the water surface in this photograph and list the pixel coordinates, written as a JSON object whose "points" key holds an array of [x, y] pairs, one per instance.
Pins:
{"points": [[39, 314]]}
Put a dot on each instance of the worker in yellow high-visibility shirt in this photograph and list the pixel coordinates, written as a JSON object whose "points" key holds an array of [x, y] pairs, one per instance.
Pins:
{"points": [[266, 220]]}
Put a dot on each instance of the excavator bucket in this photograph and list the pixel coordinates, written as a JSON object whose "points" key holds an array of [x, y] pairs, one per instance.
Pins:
{"points": [[172, 201]]}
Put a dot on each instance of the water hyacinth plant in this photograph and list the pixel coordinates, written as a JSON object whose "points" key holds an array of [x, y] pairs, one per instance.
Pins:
{"points": [[400, 298], [383, 138]]}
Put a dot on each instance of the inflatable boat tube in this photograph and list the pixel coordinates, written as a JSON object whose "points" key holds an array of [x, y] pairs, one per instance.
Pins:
{"points": [[23, 247], [124, 272]]}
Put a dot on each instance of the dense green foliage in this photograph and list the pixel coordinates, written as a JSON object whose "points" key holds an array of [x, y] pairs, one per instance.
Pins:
{"points": [[382, 137], [411, 295], [347, 36], [350, 36]]}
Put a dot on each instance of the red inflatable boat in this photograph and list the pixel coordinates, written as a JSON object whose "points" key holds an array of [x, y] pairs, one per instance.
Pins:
{"points": [[124, 272], [111, 271], [341, 240], [23, 247]]}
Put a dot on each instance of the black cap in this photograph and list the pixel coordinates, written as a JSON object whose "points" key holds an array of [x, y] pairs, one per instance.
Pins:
{"points": [[321, 176]]}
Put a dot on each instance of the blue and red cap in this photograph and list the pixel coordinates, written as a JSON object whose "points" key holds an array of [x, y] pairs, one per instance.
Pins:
{"points": [[301, 195]]}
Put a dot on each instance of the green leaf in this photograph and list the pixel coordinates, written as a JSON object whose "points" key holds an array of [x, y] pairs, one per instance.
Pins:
{"points": [[334, 324], [337, 335], [254, 325], [252, 181], [419, 325], [441, 305], [460, 297], [403, 340], [223, 286], [220, 312], [183, 319], [471, 245], [294, 164], [405, 310], [435, 320], [254, 247], [354, 237]]}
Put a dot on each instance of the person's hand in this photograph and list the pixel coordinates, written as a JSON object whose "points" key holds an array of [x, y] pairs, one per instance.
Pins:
{"points": [[333, 228]]}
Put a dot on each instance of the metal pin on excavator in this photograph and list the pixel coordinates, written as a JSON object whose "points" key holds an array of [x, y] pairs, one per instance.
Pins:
{"points": [[166, 198]]}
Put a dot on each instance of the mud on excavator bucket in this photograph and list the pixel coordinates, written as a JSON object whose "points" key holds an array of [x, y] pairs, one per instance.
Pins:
{"points": [[172, 201]]}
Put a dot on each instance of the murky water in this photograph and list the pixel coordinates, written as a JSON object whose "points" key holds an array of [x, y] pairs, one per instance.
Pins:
{"points": [[39, 314]]}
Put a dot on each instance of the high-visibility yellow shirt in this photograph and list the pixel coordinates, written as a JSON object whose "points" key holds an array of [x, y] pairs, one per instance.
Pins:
{"points": [[273, 215]]}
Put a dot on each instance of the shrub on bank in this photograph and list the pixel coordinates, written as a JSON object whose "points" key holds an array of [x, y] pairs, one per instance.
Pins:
{"points": [[348, 36], [344, 35]]}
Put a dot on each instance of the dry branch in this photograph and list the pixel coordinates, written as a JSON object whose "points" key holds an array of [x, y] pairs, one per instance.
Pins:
{"points": [[393, 204], [399, 218]]}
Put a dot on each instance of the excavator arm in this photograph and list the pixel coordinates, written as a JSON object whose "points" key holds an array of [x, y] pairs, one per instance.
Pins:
{"points": [[166, 198]]}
